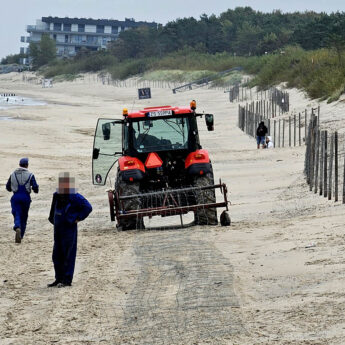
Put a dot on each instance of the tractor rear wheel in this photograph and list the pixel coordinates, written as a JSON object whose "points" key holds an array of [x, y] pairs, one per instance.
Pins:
{"points": [[125, 189], [205, 216]]}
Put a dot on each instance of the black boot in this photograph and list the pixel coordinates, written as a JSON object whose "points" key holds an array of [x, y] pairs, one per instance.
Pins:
{"points": [[18, 237], [53, 284]]}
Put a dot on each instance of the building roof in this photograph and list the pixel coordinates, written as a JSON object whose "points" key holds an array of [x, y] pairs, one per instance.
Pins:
{"points": [[89, 21]]}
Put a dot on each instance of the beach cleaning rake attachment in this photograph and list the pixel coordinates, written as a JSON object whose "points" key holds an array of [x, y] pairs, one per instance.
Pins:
{"points": [[169, 202]]}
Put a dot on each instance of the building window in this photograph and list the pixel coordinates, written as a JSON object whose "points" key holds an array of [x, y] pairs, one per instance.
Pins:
{"points": [[66, 38], [92, 39], [81, 28], [60, 50], [114, 29], [67, 27], [100, 29], [105, 41], [57, 26], [54, 37]]}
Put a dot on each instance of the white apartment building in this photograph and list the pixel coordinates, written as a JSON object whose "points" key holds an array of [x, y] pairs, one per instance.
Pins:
{"points": [[71, 34]]}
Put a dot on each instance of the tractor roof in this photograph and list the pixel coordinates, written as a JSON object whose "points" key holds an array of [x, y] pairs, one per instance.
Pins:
{"points": [[143, 113]]}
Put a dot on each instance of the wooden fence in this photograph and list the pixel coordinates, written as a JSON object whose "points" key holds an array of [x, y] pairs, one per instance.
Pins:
{"points": [[270, 99], [285, 132], [324, 165]]}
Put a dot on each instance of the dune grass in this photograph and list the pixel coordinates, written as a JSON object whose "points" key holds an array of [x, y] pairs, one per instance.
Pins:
{"points": [[319, 72]]}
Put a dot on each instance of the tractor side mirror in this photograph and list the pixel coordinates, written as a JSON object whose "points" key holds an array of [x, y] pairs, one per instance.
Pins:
{"points": [[209, 122], [95, 153], [106, 131]]}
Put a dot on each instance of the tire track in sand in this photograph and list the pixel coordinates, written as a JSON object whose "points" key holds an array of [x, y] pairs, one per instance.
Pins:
{"points": [[184, 293]]}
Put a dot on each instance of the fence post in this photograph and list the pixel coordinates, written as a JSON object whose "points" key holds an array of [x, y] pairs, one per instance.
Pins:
{"points": [[330, 169], [325, 168], [283, 132], [279, 133], [274, 134], [294, 130], [307, 156], [289, 131], [321, 161], [299, 128], [305, 125], [336, 166], [317, 132], [247, 121], [312, 152]]}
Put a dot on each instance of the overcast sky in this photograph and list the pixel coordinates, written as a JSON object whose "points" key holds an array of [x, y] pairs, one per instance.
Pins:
{"points": [[16, 14]]}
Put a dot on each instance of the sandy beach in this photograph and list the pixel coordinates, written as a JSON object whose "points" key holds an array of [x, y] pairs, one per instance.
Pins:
{"points": [[275, 276]]}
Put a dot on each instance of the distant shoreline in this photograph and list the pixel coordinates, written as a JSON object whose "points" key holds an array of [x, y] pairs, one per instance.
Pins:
{"points": [[9, 102]]}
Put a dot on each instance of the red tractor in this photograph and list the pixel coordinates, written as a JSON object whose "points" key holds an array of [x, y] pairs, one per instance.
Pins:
{"points": [[162, 168]]}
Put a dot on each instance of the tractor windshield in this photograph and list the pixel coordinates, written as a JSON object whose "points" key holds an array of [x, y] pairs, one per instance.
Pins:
{"points": [[160, 135]]}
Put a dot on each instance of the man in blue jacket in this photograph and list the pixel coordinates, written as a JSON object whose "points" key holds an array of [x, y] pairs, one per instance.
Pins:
{"points": [[20, 183], [67, 209]]}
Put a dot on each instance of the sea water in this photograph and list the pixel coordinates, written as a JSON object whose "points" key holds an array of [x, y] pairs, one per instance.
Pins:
{"points": [[7, 102]]}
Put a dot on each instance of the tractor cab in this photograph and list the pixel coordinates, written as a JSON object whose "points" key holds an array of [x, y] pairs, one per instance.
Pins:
{"points": [[169, 132]]}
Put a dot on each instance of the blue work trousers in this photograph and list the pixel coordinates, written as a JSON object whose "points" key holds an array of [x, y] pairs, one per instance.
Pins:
{"points": [[20, 203], [64, 252]]}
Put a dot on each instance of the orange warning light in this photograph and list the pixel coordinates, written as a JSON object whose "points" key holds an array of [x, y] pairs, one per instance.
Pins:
{"points": [[193, 104]]}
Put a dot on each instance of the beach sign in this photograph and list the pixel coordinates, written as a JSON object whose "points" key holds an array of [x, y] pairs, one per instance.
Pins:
{"points": [[144, 93]]}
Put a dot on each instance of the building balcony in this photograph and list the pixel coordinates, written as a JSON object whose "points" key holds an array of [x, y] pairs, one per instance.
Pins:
{"points": [[66, 54], [27, 39], [34, 28], [80, 44]]}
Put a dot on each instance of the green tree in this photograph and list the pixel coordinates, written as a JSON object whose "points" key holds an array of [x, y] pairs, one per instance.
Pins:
{"points": [[335, 38], [42, 52], [269, 43], [136, 43], [248, 37], [10, 59]]}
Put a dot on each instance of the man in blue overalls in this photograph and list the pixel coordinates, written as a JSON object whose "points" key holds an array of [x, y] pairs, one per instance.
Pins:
{"points": [[67, 209], [20, 183]]}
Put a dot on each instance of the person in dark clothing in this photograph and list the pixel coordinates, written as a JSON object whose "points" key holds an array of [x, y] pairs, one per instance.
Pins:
{"points": [[67, 209], [20, 183], [261, 132]]}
